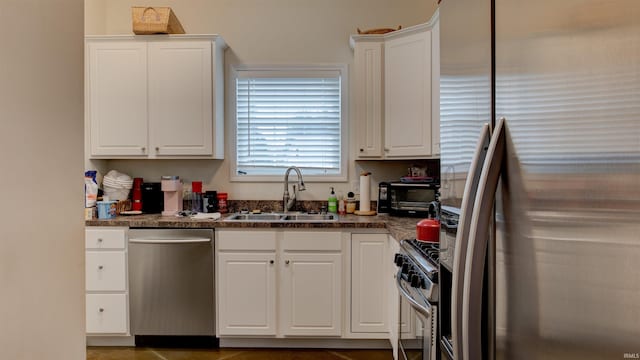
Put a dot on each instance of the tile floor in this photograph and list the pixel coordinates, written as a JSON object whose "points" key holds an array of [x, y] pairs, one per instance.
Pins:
{"points": [[137, 353]]}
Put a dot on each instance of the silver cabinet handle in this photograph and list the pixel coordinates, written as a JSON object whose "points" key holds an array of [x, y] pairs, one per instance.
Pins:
{"points": [[462, 236], [478, 240], [287, 262]]}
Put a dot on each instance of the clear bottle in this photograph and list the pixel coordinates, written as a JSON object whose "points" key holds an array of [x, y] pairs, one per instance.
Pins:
{"points": [[342, 209], [196, 196], [187, 200]]}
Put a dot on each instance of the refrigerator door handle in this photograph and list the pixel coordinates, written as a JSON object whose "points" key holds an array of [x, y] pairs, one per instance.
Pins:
{"points": [[462, 235], [478, 240]]}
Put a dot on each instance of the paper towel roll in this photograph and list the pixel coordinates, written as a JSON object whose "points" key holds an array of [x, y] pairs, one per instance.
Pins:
{"points": [[365, 193]]}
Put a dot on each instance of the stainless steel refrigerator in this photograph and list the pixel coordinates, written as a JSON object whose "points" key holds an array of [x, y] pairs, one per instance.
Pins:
{"points": [[540, 245]]}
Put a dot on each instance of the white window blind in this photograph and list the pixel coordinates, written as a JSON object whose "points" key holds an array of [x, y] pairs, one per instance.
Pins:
{"points": [[288, 119]]}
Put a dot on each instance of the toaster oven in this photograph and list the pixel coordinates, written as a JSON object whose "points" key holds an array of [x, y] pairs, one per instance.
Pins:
{"points": [[407, 199]]}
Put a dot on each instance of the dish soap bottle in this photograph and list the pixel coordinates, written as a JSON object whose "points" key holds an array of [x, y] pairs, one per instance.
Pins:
{"points": [[333, 202]]}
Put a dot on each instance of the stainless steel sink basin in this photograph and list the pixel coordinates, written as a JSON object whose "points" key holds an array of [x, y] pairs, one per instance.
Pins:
{"points": [[311, 217], [282, 217], [255, 217]]}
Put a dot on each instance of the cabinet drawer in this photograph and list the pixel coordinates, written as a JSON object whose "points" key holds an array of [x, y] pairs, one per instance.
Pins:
{"points": [[107, 314], [246, 240], [312, 240], [105, 271], [105, 238]]}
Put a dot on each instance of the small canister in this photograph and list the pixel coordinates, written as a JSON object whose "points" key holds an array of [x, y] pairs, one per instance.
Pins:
{"points": [[106, 209], [351, 203], [222, 203]]}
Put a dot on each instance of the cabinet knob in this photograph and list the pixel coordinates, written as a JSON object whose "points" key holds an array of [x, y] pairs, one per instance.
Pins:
{"points": [[287, 262], [101, 310], [100, 267], [361, 150], [157, 148], [99, 240], [386, 149], [271, 261], [144, 149]]}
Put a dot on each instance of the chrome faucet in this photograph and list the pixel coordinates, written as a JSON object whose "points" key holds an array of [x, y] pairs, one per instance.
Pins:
{"points": [[289, 202]]}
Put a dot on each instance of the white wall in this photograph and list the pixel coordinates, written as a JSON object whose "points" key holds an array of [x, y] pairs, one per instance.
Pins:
{"points": [[266, 32], [41, 161]]}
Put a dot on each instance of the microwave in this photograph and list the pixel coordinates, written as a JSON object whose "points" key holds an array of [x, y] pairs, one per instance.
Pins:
{"points": [[406, 199]]}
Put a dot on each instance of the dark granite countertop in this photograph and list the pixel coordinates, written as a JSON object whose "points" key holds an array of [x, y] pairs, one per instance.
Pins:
{"points": [[399, 227]]}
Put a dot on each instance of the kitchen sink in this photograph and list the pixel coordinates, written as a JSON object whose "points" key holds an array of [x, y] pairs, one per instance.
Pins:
{"points": [[311, 217], [254, 217], [283, 217]]}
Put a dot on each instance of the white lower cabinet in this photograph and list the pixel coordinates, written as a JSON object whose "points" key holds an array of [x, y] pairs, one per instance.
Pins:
{"points": [[246, 293], [279, 283], [369, 283], [393, 312], [107, 313], [107, 305], [311, 288]]}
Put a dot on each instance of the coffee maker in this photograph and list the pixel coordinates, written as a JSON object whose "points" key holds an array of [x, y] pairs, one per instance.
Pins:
{"points": [[172, 189]]}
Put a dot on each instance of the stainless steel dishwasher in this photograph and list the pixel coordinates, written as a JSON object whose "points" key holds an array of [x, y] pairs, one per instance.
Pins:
{"points": [[171, 282]]}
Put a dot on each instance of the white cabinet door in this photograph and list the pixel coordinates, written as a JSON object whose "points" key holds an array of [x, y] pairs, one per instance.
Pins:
{"points": [[311, 293], [394, 297], [180, 97], [435, 89], [108, 238], [105, 271], [369, 282], [368, 98], [246, 294], [107, 314], [117, 98], [408, 95]]}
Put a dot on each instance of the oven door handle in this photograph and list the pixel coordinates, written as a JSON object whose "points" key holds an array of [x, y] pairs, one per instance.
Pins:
{"points": [[425, 311], [462, 236]]}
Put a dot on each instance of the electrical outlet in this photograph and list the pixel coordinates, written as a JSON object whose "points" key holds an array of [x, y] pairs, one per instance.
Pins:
{"points": [[355, 186]]}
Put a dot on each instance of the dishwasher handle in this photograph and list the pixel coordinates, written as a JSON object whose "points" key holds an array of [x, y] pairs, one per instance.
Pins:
{"points": [[170, 241]]}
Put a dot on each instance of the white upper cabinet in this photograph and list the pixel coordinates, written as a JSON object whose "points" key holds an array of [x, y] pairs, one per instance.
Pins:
{"points": [[180, 89], [155, 96], [116, 98], [396, 93], [368, 97], [407, 75]]}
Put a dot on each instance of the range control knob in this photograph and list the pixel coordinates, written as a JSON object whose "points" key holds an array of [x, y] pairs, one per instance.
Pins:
{"points": [[416, 281], [398, 259], [406, 267]]}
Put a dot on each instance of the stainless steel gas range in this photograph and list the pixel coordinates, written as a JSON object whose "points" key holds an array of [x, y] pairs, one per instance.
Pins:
{"points": [[417, 281]]}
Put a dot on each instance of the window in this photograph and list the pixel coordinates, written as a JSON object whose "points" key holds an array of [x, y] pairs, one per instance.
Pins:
{"points": [[289, 117]]}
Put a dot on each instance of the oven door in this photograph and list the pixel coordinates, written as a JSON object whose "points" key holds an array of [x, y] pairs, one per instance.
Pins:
{"points": [[417, 327]]}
